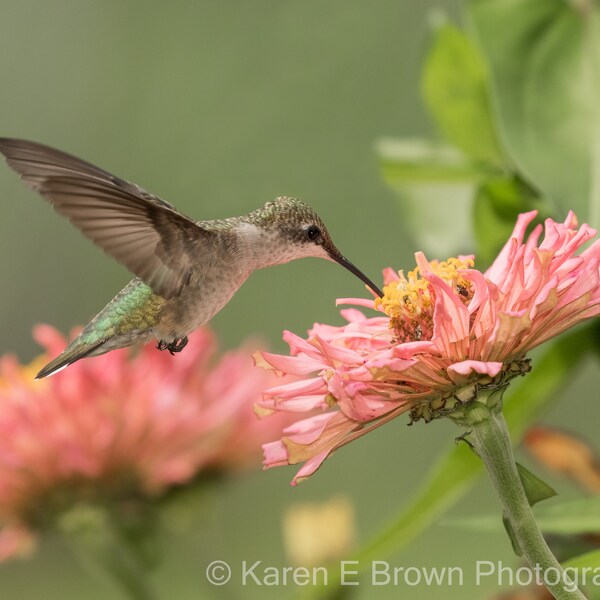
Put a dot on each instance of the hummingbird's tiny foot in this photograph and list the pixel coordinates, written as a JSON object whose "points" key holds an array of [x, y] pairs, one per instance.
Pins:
{"points": [[162, 345], [177, 345]]}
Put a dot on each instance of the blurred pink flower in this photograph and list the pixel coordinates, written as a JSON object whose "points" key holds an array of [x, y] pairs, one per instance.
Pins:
{"points": [[445, 328], [119, 424]]}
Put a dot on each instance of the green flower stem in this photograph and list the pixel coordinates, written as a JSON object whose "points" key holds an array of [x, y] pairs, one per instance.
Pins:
{"points": [[104, 551], [490, 438]]}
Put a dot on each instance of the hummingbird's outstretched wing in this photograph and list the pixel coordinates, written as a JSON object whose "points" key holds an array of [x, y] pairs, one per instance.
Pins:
{"points": [[144, 233]]}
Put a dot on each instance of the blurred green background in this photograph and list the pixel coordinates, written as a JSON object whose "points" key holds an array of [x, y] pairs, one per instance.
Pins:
{"points": [[219, 107]]}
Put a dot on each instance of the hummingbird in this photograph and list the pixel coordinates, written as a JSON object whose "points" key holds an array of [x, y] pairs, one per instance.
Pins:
{"points": [[186, 271]]}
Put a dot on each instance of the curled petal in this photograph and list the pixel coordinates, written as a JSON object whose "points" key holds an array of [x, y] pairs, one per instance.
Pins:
{"points": [[294, 365], [298, 345], [356, 301], [310, 466], [295, 404], [315, 440], [352, 315], [450, 318], [338, 354], [296, 388], [497, 269], [389, 276], [460, 372]]}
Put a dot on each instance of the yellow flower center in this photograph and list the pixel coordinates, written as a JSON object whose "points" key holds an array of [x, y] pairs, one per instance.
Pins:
{"points": [[409, 301]]}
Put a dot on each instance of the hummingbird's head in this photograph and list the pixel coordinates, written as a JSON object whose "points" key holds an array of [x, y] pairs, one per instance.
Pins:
{"points": [[294, 230]]}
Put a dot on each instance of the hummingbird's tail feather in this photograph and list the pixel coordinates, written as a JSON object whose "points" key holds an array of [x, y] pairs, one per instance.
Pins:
{"points": [[72, 353]]}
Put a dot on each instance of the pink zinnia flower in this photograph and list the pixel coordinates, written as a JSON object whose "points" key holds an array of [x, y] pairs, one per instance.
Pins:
{"points": [[445, 329], [120, 425]]}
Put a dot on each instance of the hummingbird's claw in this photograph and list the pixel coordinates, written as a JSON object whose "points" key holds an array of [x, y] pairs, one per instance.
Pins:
{"points": [[177, 345]]}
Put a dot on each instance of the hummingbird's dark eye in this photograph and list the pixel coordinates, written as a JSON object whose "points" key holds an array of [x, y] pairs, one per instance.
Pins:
{"points": [[313, 232]]}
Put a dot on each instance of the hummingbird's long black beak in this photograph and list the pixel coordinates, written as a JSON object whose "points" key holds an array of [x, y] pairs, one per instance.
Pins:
{"points": [[338, 258]]}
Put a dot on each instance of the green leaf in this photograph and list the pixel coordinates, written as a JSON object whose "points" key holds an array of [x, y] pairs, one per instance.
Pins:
{"points": [[498, 202], [570, 517], [588, 567], [457, 470], [589, 560], [415, 160], [435, 185], [455, 88], [536, 490], [544, 59]]}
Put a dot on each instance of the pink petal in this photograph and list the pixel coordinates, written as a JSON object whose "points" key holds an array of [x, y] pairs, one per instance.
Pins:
{"points": [[295, 388], [295, 404], [503, 260], [389, 276], [460, 371], [450, 319], [275, 454], [309, 430], [298, 345], [293, 365], [310, 466], [352, 315], [357, 302]]}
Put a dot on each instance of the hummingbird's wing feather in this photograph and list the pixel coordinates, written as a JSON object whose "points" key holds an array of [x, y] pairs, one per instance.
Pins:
{"points": [[142, 231]]}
